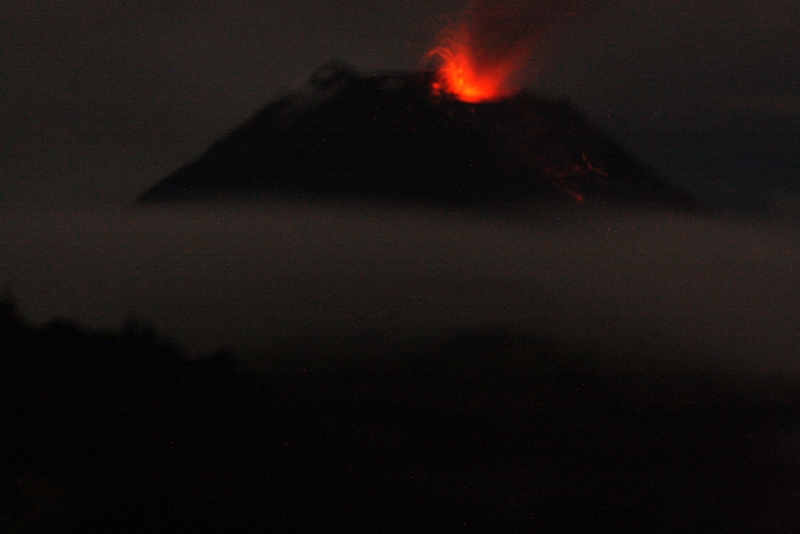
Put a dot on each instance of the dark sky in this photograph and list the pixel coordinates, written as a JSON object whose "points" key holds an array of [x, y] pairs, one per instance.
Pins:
{"points": [[101, 99]]}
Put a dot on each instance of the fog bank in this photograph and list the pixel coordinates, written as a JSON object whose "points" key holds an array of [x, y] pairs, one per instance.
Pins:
{"points": [[714, 291]]}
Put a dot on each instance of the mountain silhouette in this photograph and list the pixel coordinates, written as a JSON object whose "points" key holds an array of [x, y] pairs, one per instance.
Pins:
{"points": [[388, 137]]}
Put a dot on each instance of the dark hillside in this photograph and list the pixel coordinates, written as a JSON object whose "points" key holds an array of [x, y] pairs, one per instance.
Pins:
{"points": [[120, 432]]}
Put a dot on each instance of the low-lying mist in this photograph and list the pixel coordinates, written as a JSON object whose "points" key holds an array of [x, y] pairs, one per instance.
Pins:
{"points": [[702, 290]]}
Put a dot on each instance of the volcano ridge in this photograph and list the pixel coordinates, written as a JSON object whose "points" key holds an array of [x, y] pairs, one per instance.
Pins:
{"points": [[389, 137]]}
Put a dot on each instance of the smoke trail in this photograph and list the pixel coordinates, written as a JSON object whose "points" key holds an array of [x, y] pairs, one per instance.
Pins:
{"points": [[506, 31]]}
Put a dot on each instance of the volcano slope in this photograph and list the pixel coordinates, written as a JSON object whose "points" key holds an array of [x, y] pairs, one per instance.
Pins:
{"points": [[389, 138]]}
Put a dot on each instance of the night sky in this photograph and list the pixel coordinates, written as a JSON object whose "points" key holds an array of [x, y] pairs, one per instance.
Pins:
{"points": [[103, 99]]}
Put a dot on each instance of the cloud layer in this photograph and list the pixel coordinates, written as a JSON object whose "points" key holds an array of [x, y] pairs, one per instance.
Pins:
{"points": [[706, 290]]}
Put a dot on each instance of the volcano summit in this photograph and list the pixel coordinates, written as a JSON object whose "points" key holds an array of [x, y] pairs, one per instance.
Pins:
{"points": [[390, 137]]}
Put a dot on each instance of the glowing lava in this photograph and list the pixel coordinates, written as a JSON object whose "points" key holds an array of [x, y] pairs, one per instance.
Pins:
{"points": [[479, 58], [460, 75]]}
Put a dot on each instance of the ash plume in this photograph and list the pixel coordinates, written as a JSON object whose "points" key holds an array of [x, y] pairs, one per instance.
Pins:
{"points": [[506, 31]]}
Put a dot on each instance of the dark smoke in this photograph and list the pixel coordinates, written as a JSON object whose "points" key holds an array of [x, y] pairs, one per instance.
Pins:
{"points": [[503, 31]]}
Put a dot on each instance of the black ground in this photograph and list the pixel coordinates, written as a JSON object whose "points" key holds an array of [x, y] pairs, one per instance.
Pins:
{"points": [[120, 432]]}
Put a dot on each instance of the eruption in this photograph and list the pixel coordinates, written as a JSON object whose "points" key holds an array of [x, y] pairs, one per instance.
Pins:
{"points": [[479, 58], [460, 75]]}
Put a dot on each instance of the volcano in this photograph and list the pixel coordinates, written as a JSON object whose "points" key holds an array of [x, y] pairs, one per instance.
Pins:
{"points": [[390, 137]]}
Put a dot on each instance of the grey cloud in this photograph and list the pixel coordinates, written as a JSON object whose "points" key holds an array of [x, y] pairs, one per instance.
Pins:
{"points": [[710, 291]]}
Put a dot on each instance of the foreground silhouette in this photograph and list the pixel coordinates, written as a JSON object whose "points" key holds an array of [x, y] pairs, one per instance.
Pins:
{"points": [[120, 431]]}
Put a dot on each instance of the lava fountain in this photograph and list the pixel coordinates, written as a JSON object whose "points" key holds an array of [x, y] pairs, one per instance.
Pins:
{"points": [[461, 76], [478, 58]]}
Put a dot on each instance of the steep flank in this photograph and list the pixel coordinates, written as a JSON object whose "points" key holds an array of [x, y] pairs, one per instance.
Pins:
{"points": [[387, 137]]}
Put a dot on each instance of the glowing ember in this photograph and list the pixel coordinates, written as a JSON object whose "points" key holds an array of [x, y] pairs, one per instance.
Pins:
{"points": [[478, 58], [460, 75]]}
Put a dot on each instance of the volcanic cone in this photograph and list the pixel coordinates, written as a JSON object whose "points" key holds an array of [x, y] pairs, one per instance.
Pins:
{"points": [[389, 137]]}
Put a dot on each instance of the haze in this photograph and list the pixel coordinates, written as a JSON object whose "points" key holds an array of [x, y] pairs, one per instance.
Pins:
{"points": [[701, 290]]}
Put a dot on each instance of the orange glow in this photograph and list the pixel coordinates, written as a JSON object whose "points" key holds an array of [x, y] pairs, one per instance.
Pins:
{"points": [[483, 55], [459, 74]]}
